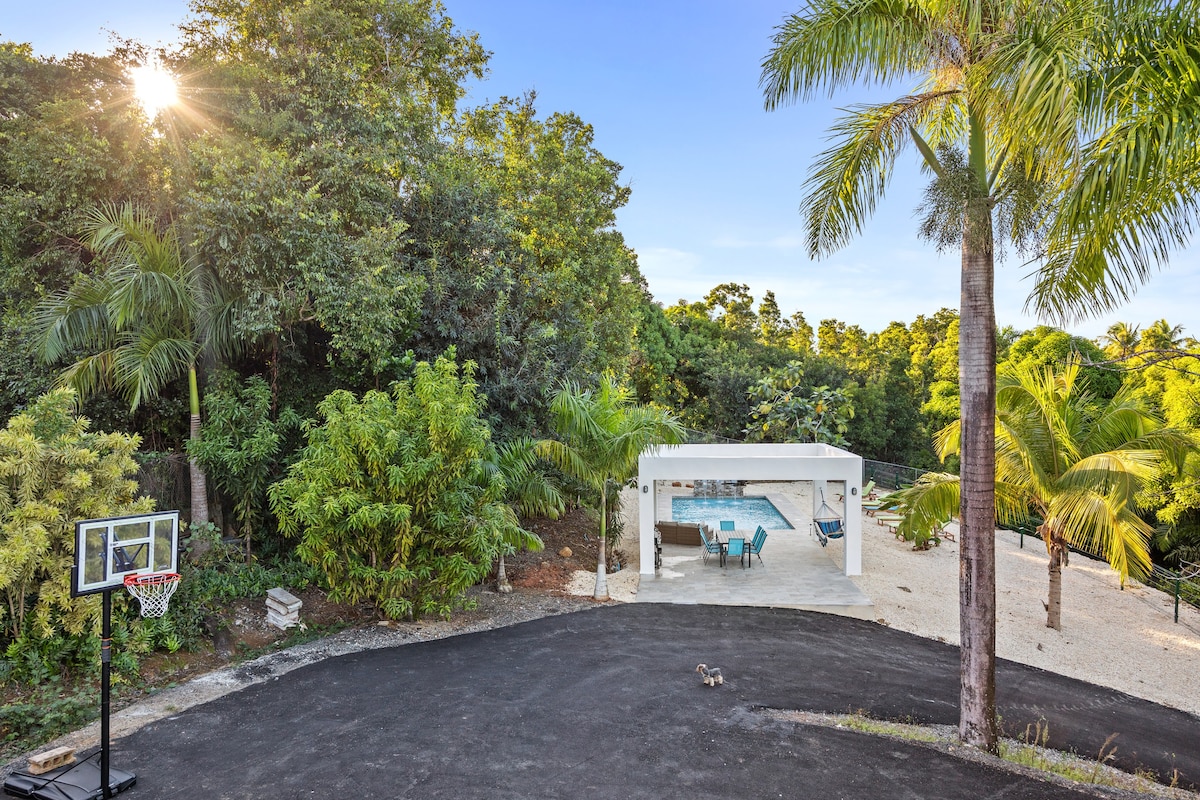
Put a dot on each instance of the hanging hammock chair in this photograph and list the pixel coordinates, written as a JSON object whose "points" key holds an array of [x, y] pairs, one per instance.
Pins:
{"points": [[826, 523]]}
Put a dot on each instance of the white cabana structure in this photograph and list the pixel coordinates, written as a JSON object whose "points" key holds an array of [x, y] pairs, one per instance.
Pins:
{"points": [[755, 462]]}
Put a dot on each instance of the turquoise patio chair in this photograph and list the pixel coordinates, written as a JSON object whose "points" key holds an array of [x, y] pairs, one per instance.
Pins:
{"points": [[736, 546], [710, 546], [756, 544], [727, 525]]}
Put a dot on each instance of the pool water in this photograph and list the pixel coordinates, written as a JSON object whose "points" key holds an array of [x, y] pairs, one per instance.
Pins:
{"points": [[747, 513]]}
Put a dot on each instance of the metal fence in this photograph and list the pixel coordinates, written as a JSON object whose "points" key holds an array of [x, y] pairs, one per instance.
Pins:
{"points": [[890, 476]]}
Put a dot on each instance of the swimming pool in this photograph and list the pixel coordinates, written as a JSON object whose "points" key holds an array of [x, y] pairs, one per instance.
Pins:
{"points": [[747, 513]]}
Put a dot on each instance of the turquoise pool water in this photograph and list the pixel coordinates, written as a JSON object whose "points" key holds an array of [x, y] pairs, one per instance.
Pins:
{"points": [[747, 513]]}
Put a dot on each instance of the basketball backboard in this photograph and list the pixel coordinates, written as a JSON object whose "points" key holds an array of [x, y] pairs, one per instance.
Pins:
{"points": [[109, 550]]}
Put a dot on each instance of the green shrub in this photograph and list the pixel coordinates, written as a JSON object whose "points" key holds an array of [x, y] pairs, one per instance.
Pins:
{"points": [[390, 496], [53, 472], [239, 446], [208, 583]]}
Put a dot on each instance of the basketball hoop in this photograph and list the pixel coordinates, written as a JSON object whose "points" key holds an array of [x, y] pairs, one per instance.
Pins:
{"points": [[153, 591]]}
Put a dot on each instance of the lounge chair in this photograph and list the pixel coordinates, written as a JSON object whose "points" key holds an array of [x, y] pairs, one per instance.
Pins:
{"points": [[710, 546], [756, 544]]}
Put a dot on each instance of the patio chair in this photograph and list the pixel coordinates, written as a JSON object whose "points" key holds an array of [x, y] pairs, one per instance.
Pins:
{"points": [[736, 546], [727, 525], [756, 544], [710, 546]]}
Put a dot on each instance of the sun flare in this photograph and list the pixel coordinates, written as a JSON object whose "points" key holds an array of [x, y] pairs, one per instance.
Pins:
{"points": [[154, 88]]}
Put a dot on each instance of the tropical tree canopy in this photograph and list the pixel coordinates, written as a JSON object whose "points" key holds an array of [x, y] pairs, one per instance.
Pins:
{"points": [[1073, 461]]}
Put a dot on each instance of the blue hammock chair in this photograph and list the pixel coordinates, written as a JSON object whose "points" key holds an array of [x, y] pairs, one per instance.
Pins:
{"points": [[826, 523]]}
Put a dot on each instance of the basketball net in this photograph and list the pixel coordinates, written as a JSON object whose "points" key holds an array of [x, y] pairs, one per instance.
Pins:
{"points": [[153, 591]]}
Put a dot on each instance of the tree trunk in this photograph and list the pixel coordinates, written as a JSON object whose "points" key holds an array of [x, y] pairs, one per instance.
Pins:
{"points": [[601, 592], [199, 515], [502, 584], [1054, 600], [977, 512]]}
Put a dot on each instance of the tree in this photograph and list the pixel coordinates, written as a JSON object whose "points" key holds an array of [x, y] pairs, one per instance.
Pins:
{"points": [[291, 186], [54, 470], [1162, 335], [783, 410], [1121, 340], [1015, 119], [145, 320], [391, 497], [239, 445], [1072, 460], [602, 433]]}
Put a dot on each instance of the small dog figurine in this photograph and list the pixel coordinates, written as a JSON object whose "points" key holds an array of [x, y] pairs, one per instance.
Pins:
{"points": [[711, 676]]}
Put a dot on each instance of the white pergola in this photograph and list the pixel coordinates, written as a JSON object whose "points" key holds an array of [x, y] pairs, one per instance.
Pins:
{"points": [[757, 462]]}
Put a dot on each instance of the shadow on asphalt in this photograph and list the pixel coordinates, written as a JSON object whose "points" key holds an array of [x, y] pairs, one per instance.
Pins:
{"points": [[606, 702]]}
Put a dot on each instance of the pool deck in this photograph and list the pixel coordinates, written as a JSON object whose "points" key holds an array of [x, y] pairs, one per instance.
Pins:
{"points": [[795, 572]]}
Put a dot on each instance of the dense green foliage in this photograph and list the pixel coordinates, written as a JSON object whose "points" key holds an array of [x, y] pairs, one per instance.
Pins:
{"points": [[1070, 459], [323, 210], [54, 470], [390, 498]]}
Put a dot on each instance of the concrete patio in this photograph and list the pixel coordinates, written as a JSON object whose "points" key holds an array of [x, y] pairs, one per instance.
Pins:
{"points": [[795, 571]]}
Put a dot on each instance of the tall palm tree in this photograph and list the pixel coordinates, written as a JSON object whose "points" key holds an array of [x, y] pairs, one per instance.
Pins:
{"points": [[1069, 459], [602, 434], [143, 321], [1008, 92]]}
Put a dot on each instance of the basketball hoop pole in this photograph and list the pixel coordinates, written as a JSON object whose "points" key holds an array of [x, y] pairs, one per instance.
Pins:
{"points": [[105, 662]]}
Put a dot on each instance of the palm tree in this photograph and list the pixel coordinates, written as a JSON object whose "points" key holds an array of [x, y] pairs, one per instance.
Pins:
{"points": [[602, 434], [142, 322], [1068, 459], [1008, 91], [1121, 339], [528, 490], [1162, 335]]}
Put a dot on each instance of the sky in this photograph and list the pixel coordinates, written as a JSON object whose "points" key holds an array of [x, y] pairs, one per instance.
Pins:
{"points": [[671, 88]]}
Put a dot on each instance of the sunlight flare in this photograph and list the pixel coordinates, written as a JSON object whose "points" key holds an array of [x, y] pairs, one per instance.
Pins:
{"points": [[154, 88]]}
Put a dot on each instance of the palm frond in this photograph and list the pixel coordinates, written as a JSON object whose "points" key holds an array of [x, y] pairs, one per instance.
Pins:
{"points": [[833, 44], [849, 179]]}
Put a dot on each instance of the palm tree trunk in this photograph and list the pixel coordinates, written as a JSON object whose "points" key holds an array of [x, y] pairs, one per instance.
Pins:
{"points": [[1054, 600], [601, 592], [198, 480], [977, 559], [502, 584]]}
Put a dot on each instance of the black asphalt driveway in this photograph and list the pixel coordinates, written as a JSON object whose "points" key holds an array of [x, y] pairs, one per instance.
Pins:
{"points": [[606, 703]]}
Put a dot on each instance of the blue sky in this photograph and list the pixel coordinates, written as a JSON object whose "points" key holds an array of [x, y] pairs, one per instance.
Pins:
{"points": [[671, 88]]}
